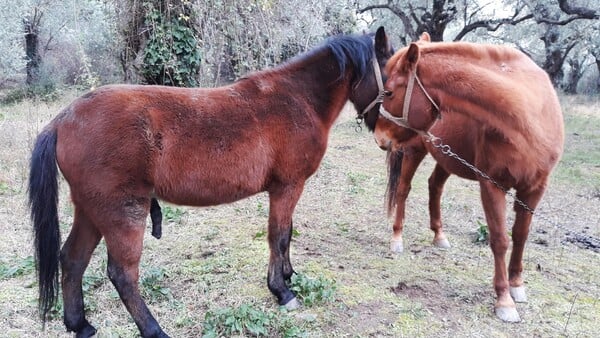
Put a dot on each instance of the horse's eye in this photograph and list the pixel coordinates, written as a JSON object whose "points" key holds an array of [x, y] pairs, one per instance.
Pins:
{"points": [[387, 93]]}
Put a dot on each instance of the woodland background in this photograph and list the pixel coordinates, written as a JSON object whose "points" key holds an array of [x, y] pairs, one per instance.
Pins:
{"points": [[47, 45]]}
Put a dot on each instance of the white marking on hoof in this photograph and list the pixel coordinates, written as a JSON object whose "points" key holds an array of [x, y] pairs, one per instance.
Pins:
{"points": [[396, 246], [293, 304], [508, 314], [518, 294], [442, 243]]}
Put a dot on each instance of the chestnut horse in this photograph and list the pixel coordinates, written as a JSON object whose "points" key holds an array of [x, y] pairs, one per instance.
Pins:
{"points": [[121, 146], [506, 121]]}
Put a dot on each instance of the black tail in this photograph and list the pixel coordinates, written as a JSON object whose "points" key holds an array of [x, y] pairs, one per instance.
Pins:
{"points": [[394, 159], [43, 201]]}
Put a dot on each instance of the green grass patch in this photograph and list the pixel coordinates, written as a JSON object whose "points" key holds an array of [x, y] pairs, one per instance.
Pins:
{"points": [[247, 320], [17, 268], [580, 162], [173, 214]]}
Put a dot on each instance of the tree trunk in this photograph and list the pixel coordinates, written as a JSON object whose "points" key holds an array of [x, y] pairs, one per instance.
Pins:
{"points": [[574, 76], [132, 13], [554, 55], [597, 57], [31, 28]]}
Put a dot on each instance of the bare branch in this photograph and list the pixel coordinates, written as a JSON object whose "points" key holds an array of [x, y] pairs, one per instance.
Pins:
{"points": [[580, 12], [559, 22], [493, 24]]}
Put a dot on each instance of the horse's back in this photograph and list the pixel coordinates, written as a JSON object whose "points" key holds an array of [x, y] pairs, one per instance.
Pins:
{"points": [[187, 146]]}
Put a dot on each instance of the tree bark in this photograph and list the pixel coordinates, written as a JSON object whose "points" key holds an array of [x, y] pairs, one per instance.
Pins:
{"points": [[574, 76], [31, 26]]}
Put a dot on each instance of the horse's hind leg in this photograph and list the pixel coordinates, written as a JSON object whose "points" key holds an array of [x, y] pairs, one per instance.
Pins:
{"points": [[124, 243], [520, 232], [438, 178], [75, 256], [494, 205], [283, 200]]}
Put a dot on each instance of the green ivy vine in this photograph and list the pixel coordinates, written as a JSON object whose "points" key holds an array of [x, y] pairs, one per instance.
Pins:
{"points": [[171, 55]]}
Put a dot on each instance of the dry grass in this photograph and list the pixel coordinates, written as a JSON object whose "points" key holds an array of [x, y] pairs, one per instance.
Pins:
{"points": [[210, 258]]}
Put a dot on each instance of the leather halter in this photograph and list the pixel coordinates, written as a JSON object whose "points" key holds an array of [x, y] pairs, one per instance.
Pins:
{"points": [[402, 120], [381, 94]]}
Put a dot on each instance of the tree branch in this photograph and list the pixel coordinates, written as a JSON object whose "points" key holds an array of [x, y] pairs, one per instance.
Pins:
{"points": [[580, 12], [493, 25]]}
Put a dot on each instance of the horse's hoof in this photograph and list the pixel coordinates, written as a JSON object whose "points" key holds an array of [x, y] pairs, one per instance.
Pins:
{"points": [[293, 304], [87, 331], [508, 314], [442, 243], [518, 294], [396, 246]]}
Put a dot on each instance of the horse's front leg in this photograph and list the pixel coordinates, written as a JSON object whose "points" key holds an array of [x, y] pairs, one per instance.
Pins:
{"points": [[410, 161], [494, 206], [283, 200]]}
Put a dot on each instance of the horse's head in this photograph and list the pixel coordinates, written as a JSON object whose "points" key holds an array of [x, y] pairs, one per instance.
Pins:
{"points": [[407, 109], [367, 94]]}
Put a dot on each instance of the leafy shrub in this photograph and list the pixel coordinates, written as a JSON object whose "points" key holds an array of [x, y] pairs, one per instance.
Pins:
{"points": [[247, 320], [311, 291], [46, 92], [152, 286], [171, 56], [482, 233]]}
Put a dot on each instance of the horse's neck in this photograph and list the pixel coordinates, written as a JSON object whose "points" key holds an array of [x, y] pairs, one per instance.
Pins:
{"points": [[317, 79]]}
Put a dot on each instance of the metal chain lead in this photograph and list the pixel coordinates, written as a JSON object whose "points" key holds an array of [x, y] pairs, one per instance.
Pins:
{"points": [[436, 142]]}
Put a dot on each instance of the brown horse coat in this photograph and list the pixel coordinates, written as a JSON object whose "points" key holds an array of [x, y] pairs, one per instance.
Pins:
{"points": [[500, 113], [120, 146]]}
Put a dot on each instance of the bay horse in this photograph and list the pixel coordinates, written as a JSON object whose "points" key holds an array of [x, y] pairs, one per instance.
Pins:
{"points": [[120, 147], [506, 121]]}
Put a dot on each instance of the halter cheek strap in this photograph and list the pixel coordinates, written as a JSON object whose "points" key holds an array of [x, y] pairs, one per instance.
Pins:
{"points": [[402, 120], [378, 78]]}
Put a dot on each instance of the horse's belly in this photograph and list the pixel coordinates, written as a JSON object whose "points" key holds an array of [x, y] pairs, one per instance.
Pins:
{"points": [[204, 195], [210, 184]]}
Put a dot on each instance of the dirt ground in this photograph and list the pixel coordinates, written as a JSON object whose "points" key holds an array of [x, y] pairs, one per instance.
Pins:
{"points": [[209, 258]]}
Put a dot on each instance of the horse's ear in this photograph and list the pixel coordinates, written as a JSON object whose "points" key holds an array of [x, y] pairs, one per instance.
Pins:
{"points": [[412, 56], [425, 37], [381, 42]]}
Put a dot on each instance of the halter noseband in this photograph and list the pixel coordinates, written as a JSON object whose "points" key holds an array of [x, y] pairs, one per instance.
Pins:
{"points": [[402, 121]]}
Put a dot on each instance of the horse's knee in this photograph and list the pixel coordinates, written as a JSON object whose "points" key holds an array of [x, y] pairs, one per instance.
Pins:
{"points": [[71, 266]]}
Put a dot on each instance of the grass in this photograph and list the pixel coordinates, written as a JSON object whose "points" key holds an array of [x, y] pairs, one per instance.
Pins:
{"points": [[208, 271]]}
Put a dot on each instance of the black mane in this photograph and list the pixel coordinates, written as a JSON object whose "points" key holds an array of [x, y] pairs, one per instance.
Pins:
{"points": [[356, 50]]}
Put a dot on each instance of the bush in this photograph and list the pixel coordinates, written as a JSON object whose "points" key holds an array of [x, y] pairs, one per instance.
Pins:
{"points": [[247, 320], [171, 56]]}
